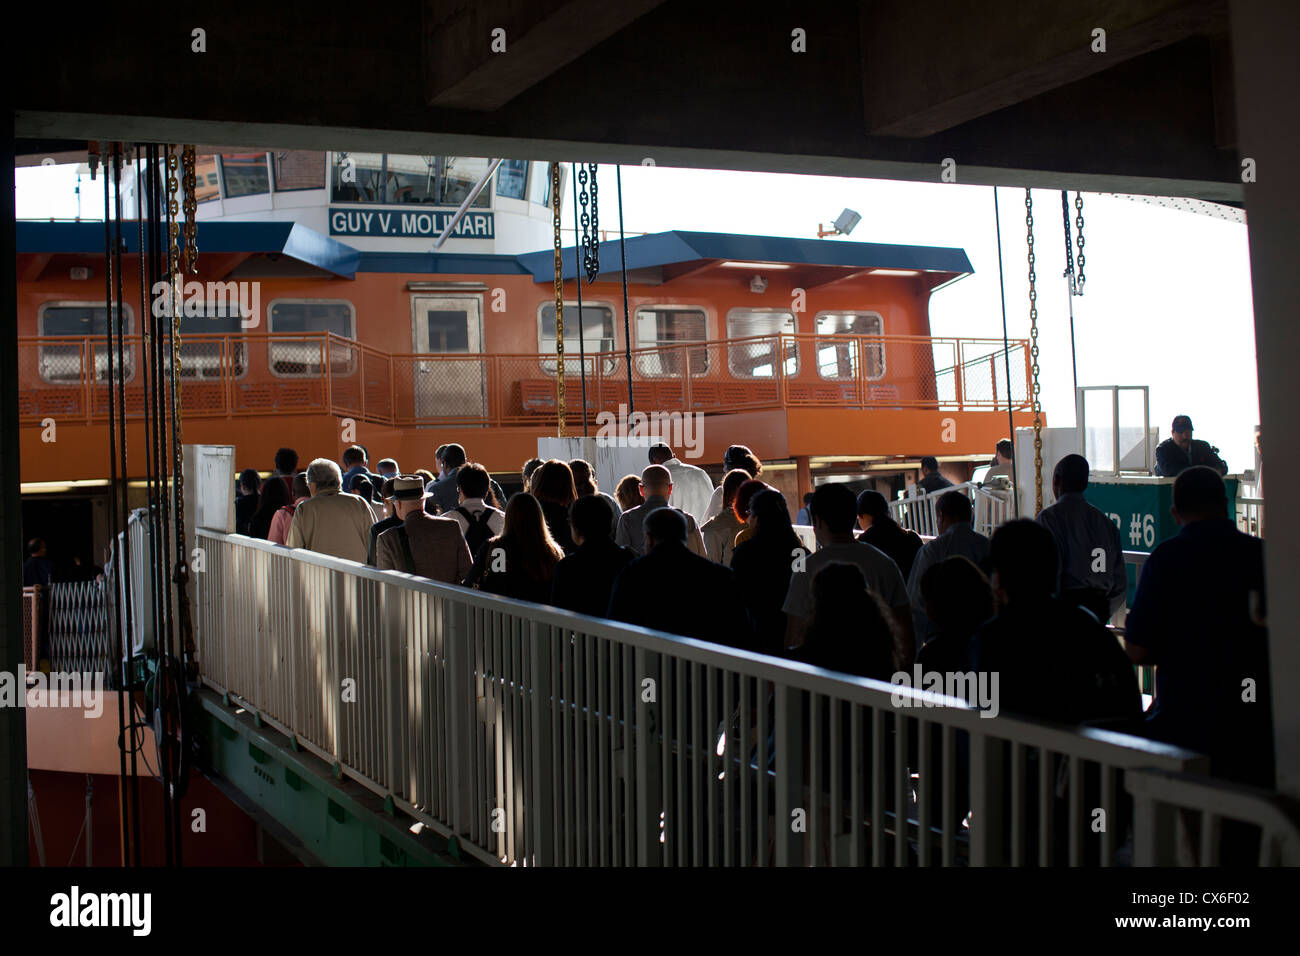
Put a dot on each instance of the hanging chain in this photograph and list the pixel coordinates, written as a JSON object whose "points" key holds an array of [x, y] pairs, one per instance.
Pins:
{"points": [[1078, 225], [1033, 352], [190, 205], [1069, 248], [559, 299], [590, 225], [584, 238]]}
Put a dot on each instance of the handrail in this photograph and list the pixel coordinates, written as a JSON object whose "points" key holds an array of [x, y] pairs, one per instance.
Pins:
{"points": [[232, 375], [1158, 793], [538, 736]]}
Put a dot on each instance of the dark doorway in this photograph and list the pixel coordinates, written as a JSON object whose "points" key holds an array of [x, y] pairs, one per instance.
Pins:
{"points": [[67, 525]]}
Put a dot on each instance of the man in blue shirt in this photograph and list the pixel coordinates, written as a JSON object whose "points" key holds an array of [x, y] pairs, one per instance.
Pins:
{"points": [[1198, 616], [354, 464], [1092, 574]]}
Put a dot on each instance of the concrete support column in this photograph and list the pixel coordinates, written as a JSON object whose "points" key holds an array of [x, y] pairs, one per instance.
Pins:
{"points": [[1266, 70]]}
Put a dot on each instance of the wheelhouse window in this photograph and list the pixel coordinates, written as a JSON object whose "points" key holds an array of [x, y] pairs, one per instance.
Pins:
{"points": [[297, 169], [838, 359], [61, 364], [399, 179], [597, 336], [357, 177], [539, 184], [298, 347], [245, 174], [512, 178], [758, 357], [662, 327]]}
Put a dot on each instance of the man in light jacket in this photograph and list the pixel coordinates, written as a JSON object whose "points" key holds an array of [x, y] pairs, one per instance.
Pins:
{"points": [[692, 487], [331, 521]]}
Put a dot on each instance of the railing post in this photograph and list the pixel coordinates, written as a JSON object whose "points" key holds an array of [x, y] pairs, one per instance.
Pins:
{"points": [[461, 722], [396, 698], [649, 759], [1153, 832], [958, 385], [539, 816], [988, 798], [788, 744]]}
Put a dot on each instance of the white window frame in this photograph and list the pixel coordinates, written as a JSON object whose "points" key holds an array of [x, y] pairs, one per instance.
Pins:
{"points": [[272, 347], [880, 319], [731, 352], [674, 307], [127, 311], [609, 361]]}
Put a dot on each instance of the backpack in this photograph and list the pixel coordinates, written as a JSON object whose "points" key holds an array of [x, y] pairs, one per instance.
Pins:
{"points": [[478, 530]]}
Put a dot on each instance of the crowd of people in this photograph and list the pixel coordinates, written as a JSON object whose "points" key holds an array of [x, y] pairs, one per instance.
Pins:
{"points": [[670, 551]]}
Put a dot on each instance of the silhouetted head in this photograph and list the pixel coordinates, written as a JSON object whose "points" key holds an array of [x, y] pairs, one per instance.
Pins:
{"points": [[286, 461], [1070, 476], [834, 509], [583, 480], [659, 453], [953, 507], [664, 526], [1023, 556], [592, 518], [1199, 493]]}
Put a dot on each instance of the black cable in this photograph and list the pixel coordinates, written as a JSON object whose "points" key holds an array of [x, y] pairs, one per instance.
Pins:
{"points": [[577, 278], [1006, 354], [113, 517], [627, 324], [116, 212]]}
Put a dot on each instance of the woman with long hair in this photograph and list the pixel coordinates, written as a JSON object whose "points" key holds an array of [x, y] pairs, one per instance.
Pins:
{"points": [[628, 492], [746, 493], [763, 565], [520, 561], [283, 517], [880, 530], [273, 497], [720, 531], [556, 491]]}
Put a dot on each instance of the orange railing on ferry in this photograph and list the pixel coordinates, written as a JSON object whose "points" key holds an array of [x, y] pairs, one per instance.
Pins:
{"points": [[263, 374]]}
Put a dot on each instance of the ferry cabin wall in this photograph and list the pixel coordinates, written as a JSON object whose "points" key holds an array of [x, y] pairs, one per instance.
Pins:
{"points": [[383, 304]]}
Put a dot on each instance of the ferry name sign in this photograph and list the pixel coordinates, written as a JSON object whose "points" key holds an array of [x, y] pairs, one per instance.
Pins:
{"points": [[410, 223]]}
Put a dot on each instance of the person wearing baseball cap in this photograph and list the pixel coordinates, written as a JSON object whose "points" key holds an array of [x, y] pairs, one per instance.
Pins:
{"points": [[422, 544], [1179, 452]]}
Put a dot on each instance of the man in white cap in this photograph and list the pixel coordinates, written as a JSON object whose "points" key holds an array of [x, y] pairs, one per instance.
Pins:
{"points": [[331, 521], [430, 547]]}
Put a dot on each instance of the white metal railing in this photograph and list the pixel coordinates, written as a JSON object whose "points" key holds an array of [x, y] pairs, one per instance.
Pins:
{"points": [[990, 508], [536, 736], [1181, 819]]}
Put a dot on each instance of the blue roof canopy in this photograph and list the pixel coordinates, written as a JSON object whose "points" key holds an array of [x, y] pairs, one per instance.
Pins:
{"points": [[676, 247], [254, 238]]}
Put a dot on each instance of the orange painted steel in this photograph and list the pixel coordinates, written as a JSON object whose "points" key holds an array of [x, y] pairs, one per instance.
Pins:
{"points": [[238, 376]]}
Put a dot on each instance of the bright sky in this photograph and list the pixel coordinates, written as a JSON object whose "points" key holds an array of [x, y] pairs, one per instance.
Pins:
{"points": [[1167, 301]]}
